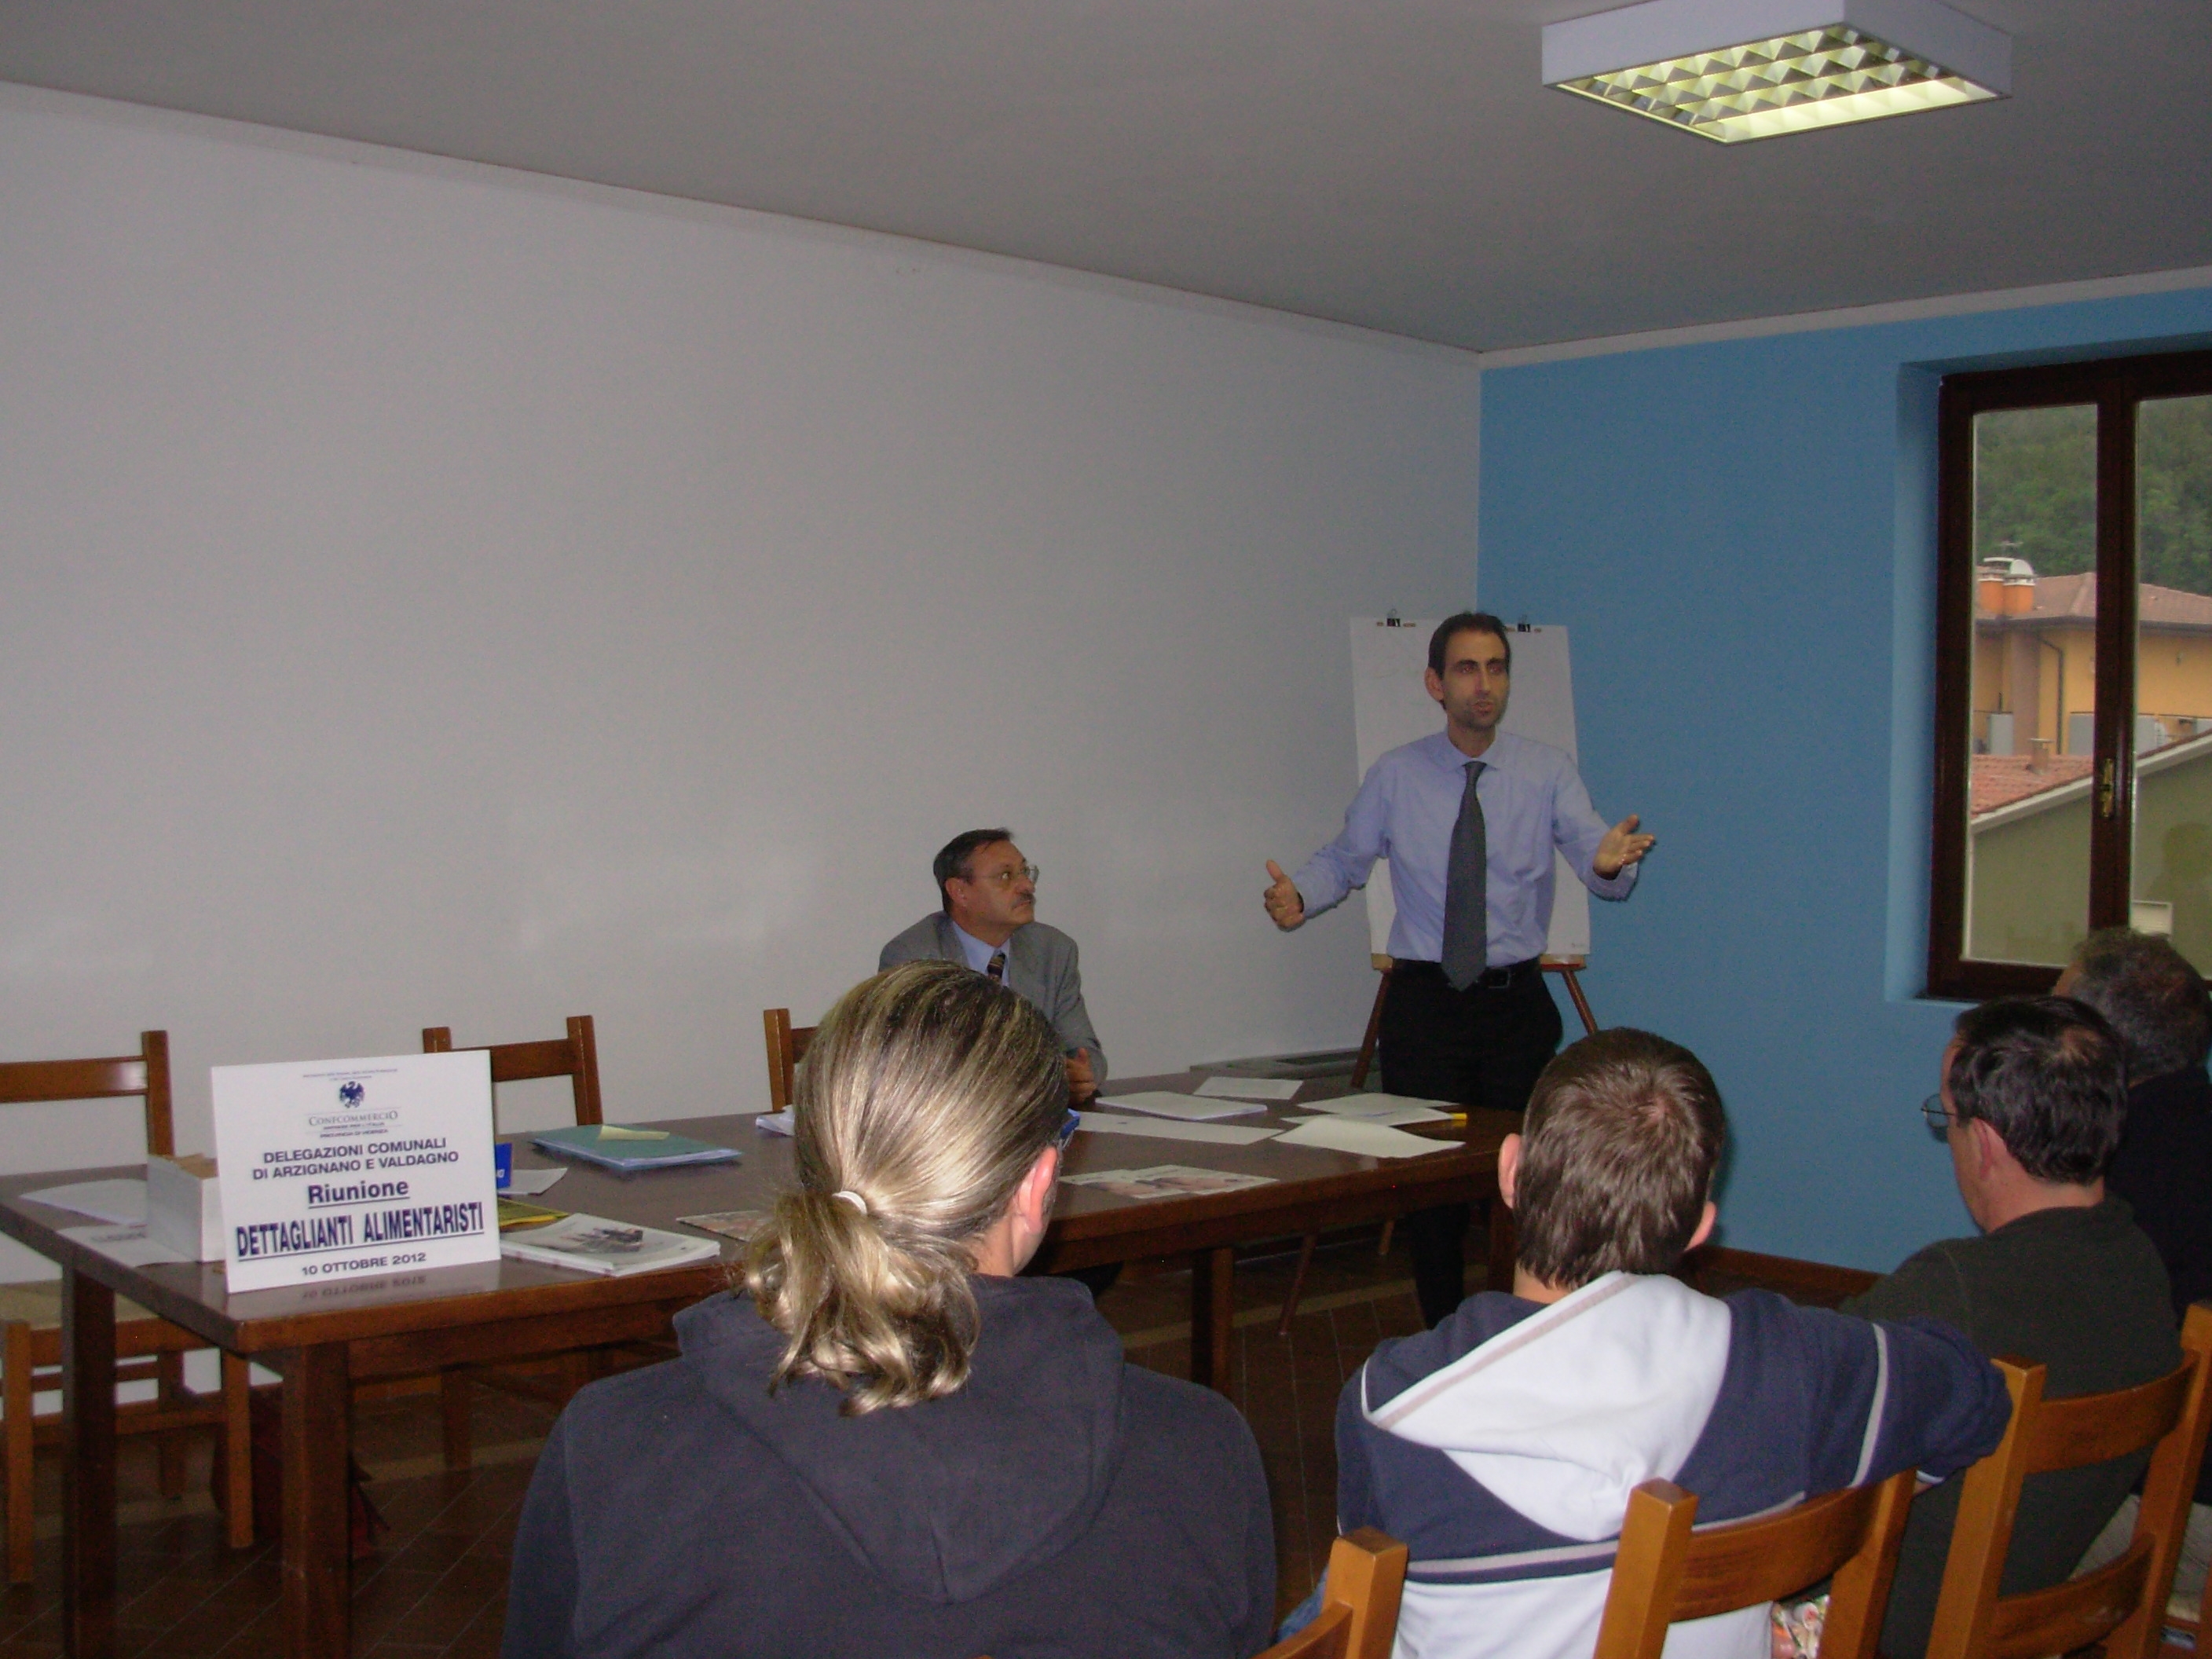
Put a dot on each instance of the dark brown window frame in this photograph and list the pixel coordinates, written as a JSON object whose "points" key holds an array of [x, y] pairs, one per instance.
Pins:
{"points": [[2116, 386]]}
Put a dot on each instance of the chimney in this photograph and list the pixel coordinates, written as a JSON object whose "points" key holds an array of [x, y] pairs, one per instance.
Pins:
{"points": [[1989, 590], [2038, 759], [2019, 589]]}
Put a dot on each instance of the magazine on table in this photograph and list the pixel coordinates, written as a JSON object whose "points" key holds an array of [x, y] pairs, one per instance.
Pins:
{"points": [[1169, 1181], [594, 1244]]}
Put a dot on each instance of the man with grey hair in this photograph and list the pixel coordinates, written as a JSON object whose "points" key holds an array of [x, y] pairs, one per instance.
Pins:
{"points": [[2150, 995]]}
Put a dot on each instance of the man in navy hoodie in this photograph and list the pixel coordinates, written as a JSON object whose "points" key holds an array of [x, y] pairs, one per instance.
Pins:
{"points": [[1502, 1446]]}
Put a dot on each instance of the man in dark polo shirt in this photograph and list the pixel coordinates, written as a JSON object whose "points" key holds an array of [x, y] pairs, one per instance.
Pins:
{"points": [[2034, 1091]]}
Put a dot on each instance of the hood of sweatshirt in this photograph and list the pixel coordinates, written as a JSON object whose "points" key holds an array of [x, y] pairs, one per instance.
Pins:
{"points": [[1564, 1413], [948, 1498]]}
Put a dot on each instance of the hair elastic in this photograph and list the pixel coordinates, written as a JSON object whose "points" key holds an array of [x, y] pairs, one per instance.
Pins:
{"points": [[852, 1197]]}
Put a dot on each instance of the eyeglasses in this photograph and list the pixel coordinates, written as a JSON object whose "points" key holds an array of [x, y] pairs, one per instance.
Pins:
{"points": [[1006, 877], [1068, 1126], [1938, 1115]]}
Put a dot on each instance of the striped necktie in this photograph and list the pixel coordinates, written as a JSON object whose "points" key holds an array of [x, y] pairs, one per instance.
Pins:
{"points": [[997, 969]]}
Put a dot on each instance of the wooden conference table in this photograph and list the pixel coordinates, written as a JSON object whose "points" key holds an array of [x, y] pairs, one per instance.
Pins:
{"points": [[321, 1339]]}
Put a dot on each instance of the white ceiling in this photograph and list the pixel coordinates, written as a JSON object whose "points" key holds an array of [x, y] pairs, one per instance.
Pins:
{"points": [[1390, 163]]}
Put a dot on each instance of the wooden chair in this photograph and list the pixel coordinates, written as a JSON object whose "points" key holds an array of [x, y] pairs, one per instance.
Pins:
{"points": [[30, 1324], [1359, 1607], [787, 1046], [575, 1057], [1666, 1573], [2122, 1605]]}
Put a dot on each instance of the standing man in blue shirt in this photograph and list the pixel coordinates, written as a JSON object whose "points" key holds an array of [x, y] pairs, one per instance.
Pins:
{"points": [[1469, 819]]}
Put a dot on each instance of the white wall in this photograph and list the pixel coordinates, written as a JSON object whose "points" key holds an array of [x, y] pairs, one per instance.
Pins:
{"points": [[432, 595]]}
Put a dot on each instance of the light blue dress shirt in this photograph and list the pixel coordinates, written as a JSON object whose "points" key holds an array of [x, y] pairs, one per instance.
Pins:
{"points": [[978, 954], [1532, 801]]}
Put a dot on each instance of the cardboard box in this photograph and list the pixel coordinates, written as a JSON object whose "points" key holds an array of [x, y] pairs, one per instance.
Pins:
{"points": [[184, 1205]]}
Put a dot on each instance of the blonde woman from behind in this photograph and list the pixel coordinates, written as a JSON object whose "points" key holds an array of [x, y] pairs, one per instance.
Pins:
{"points": [[885, 1441]]}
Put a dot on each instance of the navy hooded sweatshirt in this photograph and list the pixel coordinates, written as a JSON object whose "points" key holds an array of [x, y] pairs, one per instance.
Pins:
{"points": [[1061, 1503]]}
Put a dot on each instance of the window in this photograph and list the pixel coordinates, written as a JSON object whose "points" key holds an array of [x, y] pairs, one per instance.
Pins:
{"points": [[2073, 666]]}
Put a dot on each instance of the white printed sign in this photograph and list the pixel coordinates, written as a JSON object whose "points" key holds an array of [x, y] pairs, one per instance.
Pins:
{"points": [[337, 1167]]}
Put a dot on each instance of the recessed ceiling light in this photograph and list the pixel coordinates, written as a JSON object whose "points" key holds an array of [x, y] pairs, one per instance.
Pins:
{"points": [[1733, 70]]}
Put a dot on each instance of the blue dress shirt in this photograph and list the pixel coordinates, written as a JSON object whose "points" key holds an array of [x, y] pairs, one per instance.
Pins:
{"points": [[1532, 801], [978, 954]]}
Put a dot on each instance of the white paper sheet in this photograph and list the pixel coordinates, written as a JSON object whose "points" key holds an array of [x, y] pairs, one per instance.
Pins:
{"points": [[1168, 1128], [129, 1245], [120, 1202], [1385, 1109], [776, 1123], [1249, 1088], [1351, 1134], [1380, 1106], [1189, 1109], [528, 1184]]}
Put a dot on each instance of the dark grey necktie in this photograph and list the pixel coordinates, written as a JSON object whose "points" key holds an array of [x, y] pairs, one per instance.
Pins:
{"points": [[1467, 904], [997, 969]]}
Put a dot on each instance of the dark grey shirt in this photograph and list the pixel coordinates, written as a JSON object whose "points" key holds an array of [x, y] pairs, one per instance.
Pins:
{"points": [[2082, 1292]]}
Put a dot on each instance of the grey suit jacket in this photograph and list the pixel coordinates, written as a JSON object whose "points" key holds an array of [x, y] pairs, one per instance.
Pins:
{"points": [[1040, 964]]}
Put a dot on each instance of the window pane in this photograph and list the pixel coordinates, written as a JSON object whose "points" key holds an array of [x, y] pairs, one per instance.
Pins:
{"points": [[2173, 863], [2033, 703]]}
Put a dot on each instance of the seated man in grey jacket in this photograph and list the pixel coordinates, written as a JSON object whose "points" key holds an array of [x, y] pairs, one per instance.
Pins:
{"points": [[987, 892]]}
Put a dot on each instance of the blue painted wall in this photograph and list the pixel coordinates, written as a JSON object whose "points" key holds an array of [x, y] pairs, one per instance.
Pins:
{"points": [[1739, 537]]}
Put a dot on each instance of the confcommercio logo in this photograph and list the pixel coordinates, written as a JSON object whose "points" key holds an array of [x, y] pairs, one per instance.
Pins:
{"points": [[352, 1092]]}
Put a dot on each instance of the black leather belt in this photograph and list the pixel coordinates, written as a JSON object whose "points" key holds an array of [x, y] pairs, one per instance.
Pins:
{"points": [[1512, 975]]}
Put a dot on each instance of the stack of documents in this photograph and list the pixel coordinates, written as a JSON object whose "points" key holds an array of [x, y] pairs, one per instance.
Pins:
{"points": [[618, 1148], [1250, 1088], [123, 1202], [1397, 1110], [594, 1244]]}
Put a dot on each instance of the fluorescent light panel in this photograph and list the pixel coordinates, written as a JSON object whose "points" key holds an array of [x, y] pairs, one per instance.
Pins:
{"points": [[1735, 70]]}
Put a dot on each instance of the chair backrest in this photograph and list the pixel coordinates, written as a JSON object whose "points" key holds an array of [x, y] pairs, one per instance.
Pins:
{"points": [[145, 1074], [1665, 1572], [576, 1056], [2121, 1604], [1358, 1615], [787, 1046]]}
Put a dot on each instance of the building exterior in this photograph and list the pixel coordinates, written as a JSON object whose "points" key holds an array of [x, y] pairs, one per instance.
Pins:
{"points": [[2034, 698]]}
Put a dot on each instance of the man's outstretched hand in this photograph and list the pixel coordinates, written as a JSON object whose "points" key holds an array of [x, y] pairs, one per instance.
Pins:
{"points": [[1621, 847], [1285, 908]]}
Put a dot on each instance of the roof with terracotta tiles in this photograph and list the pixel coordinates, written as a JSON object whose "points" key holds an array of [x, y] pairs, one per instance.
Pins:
{"points": [[2061, 598], [2001, 780]]}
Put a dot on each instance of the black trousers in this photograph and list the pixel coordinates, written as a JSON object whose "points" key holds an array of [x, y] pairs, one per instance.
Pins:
{"points": [[1480, 1047]]}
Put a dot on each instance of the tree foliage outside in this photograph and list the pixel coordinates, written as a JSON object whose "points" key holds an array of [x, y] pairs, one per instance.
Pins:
{"points": [[2035, 489]]}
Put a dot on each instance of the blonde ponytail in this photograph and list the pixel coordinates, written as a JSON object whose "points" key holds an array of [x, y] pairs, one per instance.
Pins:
{"points": [[924, 1099]]}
